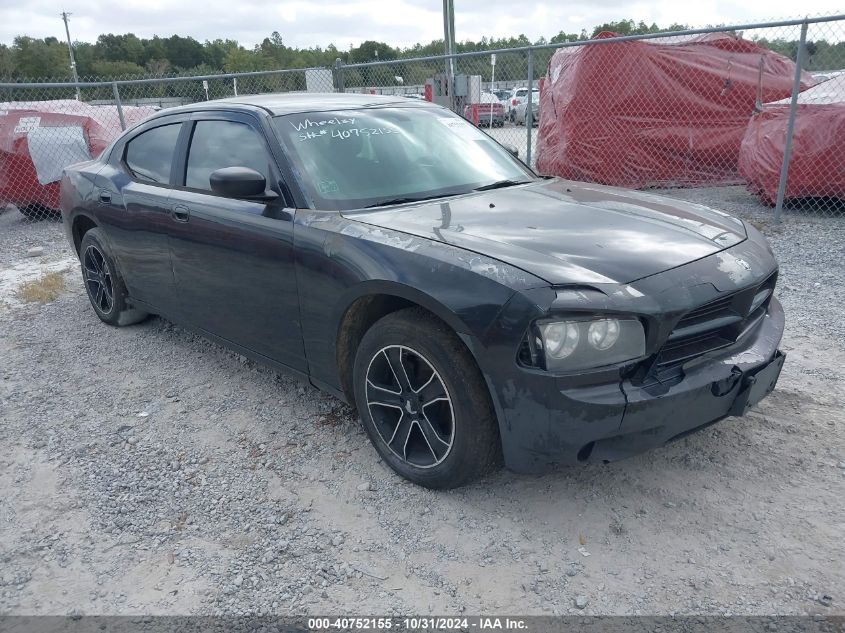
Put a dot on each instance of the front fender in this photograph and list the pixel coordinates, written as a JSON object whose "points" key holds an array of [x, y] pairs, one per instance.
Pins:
{"points": [[341, 260], [392, 288]]}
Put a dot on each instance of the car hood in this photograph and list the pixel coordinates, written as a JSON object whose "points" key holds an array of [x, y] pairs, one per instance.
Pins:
{"points": [[566, 232]]}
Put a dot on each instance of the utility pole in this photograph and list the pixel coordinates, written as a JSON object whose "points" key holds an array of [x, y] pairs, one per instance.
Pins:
{"points": [[449, 36], [65, 15]]}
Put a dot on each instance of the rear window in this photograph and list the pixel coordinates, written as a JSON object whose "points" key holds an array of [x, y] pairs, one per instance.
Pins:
{"points": [[149, 156]]}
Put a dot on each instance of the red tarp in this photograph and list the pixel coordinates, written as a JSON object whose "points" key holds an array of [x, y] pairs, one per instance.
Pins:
{"points": [[664, 112], [66, 131], [818, 145]]}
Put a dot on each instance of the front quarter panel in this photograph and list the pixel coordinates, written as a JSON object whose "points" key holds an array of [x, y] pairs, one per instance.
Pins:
{"points": [[340, 261]]}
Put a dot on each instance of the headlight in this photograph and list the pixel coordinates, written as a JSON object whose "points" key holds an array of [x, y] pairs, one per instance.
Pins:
{"points": [[573, 344], [603, 334], [561, 339]]}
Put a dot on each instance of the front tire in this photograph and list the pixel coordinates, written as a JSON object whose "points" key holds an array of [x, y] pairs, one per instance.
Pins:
{"points": [[423, 401], [103, 282]]}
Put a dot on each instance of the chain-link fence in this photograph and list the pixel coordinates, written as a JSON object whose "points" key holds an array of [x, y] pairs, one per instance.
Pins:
{"points": [[760, 106], [45, 127]]}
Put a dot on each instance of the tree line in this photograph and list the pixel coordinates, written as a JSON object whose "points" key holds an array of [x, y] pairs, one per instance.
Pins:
{"points": [[128, 56]]}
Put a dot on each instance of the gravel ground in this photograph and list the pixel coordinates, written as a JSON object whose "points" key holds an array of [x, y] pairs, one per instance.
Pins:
{"points": [[147, 470]]}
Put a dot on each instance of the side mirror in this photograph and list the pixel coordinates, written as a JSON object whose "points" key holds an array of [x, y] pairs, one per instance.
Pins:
{"points": [[239, 182], [512, 149]]}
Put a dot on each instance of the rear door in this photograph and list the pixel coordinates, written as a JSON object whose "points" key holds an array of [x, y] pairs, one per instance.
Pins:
{"points": [[233, 258], [134, 197]]}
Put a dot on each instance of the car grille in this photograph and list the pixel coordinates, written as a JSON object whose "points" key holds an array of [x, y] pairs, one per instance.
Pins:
{"points": [[715, 325]]}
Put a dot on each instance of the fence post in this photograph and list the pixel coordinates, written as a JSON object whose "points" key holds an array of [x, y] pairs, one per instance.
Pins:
{"points": [[338, 75], [119, 106], [529, 123], [790, 126]]}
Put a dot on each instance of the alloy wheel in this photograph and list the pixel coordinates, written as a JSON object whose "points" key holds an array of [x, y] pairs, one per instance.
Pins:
{"points": [[410, 406], [98, 279]]}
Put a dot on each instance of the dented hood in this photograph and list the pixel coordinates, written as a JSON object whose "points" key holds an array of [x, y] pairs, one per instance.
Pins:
{"points": [[567, 232]]}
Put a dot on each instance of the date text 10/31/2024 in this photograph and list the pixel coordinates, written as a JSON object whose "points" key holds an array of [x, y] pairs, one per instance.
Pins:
{"points": [[422, 622]]}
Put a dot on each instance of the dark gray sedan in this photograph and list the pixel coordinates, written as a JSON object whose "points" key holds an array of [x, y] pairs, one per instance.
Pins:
{"points": [[394, 255]]}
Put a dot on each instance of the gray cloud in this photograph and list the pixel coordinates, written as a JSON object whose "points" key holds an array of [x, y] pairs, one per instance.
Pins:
{"points": [[307, 23]]}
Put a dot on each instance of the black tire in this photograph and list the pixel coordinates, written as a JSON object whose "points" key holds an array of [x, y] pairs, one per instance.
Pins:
{"points": [[103, 282], [427, 350]]}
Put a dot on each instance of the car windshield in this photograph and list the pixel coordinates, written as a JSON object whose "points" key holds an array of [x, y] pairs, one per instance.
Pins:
{"points": [[353, 159]]}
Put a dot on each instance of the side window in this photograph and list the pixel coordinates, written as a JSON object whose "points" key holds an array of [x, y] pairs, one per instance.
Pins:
{"points": [[149, 155], [218, 144]]}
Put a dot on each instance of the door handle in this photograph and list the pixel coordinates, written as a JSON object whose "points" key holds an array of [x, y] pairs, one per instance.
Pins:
{"points": [[180, 213], [105, 197]]}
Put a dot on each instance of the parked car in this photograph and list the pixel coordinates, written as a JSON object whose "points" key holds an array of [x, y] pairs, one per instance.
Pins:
{"points": [[522, 109], [491, 112], [517, 97], [502, 95], [397, 257]]}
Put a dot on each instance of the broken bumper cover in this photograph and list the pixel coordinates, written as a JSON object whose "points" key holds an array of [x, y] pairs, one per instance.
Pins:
{"points": [[603, 423]]}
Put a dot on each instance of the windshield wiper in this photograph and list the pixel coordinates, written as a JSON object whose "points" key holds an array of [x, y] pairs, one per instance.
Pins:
{"points": [[499, 184], [407, 199]]}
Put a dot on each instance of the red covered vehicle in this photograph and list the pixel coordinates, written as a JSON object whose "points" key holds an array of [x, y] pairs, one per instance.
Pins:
{"points": [[38, 139], [818, 145], [662, 112], [490, 112]]}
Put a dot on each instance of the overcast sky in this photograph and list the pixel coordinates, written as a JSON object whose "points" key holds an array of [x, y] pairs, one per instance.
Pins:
{"points": [[397, 22]]}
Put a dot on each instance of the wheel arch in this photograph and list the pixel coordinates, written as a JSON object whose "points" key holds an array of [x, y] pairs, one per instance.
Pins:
{"points": [[81, 224], [370, 302]]}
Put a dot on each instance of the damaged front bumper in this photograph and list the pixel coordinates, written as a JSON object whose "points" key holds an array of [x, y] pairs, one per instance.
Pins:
{"points": [[602, 423]]}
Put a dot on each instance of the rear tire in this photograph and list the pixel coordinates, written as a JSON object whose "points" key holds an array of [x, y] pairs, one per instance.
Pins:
{"points": [[423, 401], [104, 283]]}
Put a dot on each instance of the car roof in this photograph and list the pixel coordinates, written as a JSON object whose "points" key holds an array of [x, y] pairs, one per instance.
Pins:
{"points": [[296, 102]]}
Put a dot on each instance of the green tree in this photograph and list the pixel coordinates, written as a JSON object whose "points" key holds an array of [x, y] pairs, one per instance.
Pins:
{"points": [[40, 58], [215, 51], [7, 63], [371, 51], [629, 27], [122, 54], [239, 60], [157, 67], [183, 52], [570, 37], [155, 48], [106, 68], [121, 48]]}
